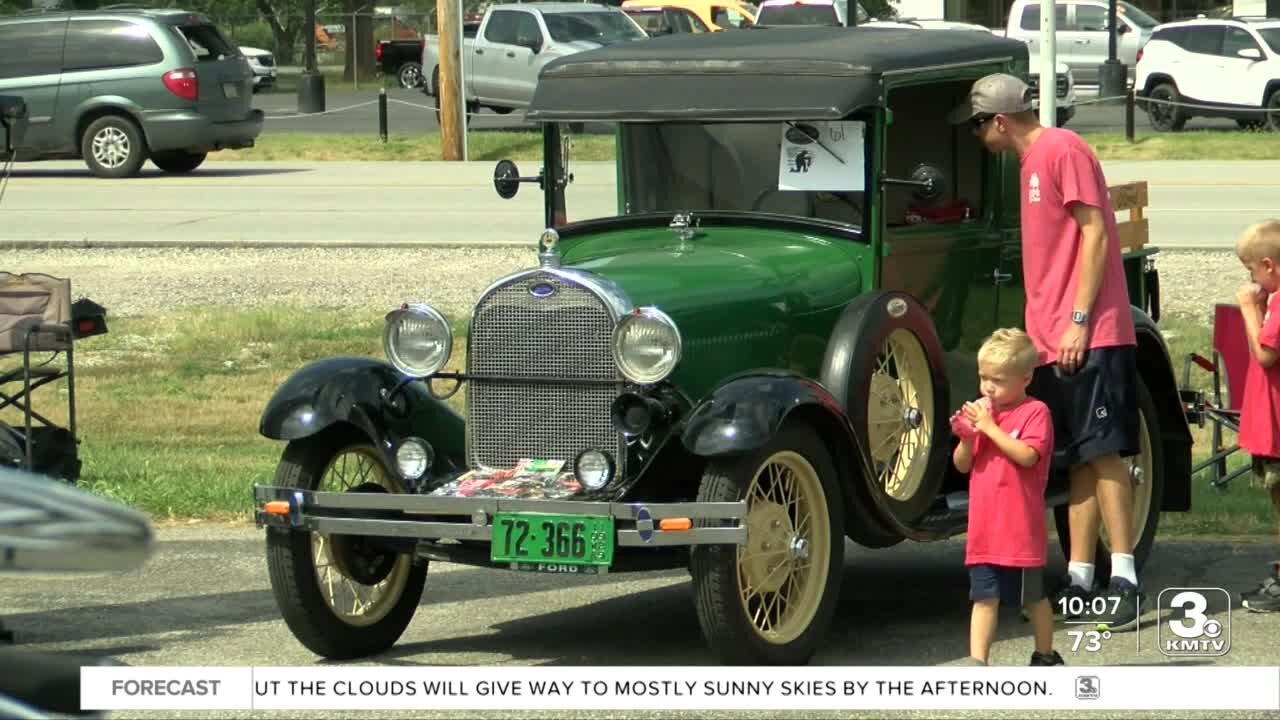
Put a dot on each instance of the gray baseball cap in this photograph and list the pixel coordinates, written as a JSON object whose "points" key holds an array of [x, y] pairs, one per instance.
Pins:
{"points": [[998, 93]]}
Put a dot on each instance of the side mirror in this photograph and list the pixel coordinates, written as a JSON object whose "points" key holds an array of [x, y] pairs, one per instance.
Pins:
{"points": [[506, 179], [928, 181], [1250, 53], [1124, 29]]}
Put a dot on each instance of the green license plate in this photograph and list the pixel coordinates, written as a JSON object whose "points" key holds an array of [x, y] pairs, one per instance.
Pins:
{"points": [[537, 539]]}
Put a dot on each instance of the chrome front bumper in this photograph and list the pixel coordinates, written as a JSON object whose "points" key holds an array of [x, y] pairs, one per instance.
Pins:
{"points": [[391, 516]]}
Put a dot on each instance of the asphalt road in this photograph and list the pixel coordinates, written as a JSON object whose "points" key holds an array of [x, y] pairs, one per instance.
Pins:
{"points": [[410, 112], [204, 598], [1192, 203]]}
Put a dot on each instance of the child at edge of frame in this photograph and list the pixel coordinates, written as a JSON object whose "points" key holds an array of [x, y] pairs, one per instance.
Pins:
{"points": [[1006, 446], [1258, 248]]}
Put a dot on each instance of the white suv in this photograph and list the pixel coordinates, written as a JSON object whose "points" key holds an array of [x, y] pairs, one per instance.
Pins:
{"points": [[1212, 68]]}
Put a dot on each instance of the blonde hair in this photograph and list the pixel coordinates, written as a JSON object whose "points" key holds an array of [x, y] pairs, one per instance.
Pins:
{"points": [[1260, 240], [1009, 349]]}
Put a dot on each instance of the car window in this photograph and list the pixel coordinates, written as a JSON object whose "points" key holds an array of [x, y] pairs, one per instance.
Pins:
{"points": [[1272, 36], [206, 42], [654, 22], [528, 34], [502, 27], [1090, 18], [1205, 40], [108, 43], [1031, 17], [1172, 35], [690, 22], [600, 27], [1136, 15], [1236, 40], [798, 15], [728, 18], [31, 49]]}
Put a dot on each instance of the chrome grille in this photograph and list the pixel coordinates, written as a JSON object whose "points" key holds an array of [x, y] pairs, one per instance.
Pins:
{"points": [[565, 336]]}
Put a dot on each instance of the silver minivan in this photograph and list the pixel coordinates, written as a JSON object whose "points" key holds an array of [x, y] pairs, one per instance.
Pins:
{"points": [[119, 87], [1082, 34]]}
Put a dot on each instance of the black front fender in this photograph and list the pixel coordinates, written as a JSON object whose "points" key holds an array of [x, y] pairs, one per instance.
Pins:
{"points": [[1156, 369], [360, 392], [746, 411]]}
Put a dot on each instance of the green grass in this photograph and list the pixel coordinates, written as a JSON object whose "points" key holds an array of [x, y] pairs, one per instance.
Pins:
{"points": [[168, 410], [527, 145], [481, 145]]}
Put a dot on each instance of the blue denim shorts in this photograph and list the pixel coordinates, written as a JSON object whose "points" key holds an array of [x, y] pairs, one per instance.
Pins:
{"points": [[1014, 587]]}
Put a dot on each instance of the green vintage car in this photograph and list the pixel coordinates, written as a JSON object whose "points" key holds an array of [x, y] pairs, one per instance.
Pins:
{"points": [[749, 360]]}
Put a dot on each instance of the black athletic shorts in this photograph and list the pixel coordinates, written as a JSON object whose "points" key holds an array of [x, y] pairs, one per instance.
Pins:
{"points": [[1013, 587], [1095, 409]]}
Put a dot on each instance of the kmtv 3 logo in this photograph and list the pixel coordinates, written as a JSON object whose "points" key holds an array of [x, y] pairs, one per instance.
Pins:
{"points": [[1184, 628], [1088, 687]]}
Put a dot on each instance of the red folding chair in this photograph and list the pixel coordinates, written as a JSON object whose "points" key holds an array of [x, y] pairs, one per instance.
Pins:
{"points": [[1230, 357]]}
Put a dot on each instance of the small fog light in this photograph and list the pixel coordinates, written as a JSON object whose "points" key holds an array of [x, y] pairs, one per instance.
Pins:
{"points": [[413, 458], [594, 469]]}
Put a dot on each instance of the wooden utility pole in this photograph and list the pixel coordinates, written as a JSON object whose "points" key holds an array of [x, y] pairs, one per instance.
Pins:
{"points": [[449, 96]]}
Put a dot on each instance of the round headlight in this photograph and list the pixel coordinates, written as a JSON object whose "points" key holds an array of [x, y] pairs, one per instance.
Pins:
{"points": [[593, 469], [646, 345], [413, 458], [417, 340]]}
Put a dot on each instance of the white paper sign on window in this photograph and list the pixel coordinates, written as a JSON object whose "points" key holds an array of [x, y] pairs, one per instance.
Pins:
{"points": [[821, 155]]}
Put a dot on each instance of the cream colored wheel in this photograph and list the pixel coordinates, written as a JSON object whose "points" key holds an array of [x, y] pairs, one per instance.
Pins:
{"points": [[900, 415], [359, 588], [1141, 471], [343, 596], [770, 601], [779, 583]]}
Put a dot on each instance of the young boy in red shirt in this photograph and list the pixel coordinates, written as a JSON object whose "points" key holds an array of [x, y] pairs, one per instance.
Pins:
{"points": [[1006, 446], [1259, 250]]}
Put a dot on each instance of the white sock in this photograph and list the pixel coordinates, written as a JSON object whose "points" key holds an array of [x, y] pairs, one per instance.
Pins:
{"points": [[1081, 574], [1122, 566]]}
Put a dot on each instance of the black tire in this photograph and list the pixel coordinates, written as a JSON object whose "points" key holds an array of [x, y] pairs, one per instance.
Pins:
{"points": [[849, 371], [1163, 117], [178, 161], [291, 566], [433, 88], [113, 147], [722, 613], [1251, 125], [1146, 535], [410, 75], [1272, 106], [501, 110]]}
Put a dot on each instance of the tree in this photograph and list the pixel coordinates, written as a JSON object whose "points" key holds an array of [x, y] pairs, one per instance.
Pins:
{"points": [[358, 21]]}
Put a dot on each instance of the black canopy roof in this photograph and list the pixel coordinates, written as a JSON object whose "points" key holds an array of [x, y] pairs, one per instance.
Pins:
{"points": [[776, 73]]}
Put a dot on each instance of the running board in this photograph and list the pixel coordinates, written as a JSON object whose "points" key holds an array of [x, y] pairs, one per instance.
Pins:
{"points": [[950, 516]]}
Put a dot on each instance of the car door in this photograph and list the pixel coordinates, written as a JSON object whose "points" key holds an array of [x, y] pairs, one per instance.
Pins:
{"points": [[499, 33], [521, 61], [1029, 30], [1244, 79], [1084, 45], [1197, 76], [31, 67]]}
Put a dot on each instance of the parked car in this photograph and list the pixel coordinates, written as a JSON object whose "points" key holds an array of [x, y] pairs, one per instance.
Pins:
{"points": [[1218, 68], [118, 87], [515, 41], [1082, 35], [664, 17], [749, 361], [1064, 80], [263, 64], [400, 59], [809, 12]]}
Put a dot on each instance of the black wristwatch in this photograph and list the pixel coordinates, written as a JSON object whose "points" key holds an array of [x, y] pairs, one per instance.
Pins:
{"points": [[1080, 318]]}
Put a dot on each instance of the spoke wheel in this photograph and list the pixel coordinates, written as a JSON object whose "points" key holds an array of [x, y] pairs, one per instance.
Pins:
{"points": [[899, 416], [342, 596], [770, 601]]}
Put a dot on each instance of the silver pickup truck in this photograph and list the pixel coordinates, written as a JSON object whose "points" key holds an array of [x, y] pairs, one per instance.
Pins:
{"points": [[501, 63]]}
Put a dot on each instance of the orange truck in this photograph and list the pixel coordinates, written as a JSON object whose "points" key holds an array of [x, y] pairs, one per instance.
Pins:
{"points": [[663, 17]]}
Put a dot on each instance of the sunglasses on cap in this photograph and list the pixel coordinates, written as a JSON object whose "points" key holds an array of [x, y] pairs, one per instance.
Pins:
{"points": [[977, 121]]}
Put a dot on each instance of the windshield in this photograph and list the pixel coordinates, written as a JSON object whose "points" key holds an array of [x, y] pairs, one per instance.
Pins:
{"points": [[798, 15], [1272, 36], [1136, 15], [599, 27], [801, 169]]}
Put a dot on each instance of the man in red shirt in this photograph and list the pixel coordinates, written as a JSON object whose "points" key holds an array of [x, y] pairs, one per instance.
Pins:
{"points": [[1259, 249], [1078, 316]]}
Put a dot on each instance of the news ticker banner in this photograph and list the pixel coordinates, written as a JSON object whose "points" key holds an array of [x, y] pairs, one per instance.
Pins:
{"points": [[681, 688]]}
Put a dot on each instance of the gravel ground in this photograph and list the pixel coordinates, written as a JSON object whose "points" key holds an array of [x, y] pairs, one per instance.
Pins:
{"points": [[145, 281]]}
